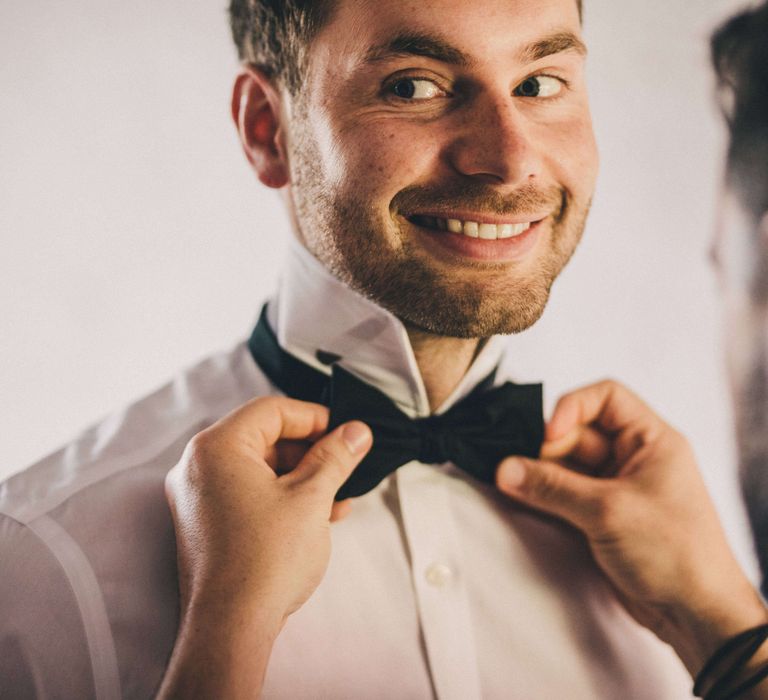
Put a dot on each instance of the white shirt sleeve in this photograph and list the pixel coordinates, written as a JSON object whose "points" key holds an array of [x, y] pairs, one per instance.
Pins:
{"points": [[43, 647]]}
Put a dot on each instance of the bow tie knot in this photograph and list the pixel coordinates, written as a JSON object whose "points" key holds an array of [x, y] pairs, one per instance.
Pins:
{"points": [[434, 440], [475, 433]]}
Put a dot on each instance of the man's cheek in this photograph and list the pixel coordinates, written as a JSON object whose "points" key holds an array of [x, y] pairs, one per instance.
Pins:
{"points": [[570, 152], [393, 145]]}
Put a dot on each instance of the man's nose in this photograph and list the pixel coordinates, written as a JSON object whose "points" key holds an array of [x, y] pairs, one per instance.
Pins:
{"points": [[493, 143]]}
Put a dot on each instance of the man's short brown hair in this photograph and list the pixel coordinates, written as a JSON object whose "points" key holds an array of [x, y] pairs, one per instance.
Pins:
{"points": [[274, 34]]}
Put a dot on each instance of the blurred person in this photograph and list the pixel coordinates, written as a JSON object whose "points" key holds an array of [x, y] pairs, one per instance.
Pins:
{"points": [[740, 54]]}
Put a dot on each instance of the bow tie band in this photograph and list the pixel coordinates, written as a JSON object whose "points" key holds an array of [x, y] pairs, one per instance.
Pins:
{"points": [[476, 433]]}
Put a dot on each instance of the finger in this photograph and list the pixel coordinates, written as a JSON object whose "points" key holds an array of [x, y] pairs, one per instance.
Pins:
{"points": [[607, 405], [586, 445], [553, 489], [334, 457], [260, 423], [340, 510]]}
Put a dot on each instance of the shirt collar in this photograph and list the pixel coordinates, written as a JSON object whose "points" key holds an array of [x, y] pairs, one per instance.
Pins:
{"points": [[319, 319]]}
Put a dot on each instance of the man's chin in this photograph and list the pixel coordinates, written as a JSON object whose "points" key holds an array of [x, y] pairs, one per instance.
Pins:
{"points": [[465, 316]]}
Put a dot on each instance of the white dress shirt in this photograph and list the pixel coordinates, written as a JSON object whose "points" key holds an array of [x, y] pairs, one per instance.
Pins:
{"points": [[438, 586]]}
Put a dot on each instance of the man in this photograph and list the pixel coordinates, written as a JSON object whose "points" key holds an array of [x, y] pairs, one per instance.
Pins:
{"points": [[437, 162], [633, 472]]}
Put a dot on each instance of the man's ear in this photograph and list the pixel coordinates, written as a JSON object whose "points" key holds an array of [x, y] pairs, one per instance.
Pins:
{"points": [[257, 116]]}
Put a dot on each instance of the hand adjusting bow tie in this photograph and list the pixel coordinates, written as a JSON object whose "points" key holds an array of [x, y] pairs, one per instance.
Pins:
{"points": [[475, 434]]}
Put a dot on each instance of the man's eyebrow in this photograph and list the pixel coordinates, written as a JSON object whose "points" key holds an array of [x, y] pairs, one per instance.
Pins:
{"points": [[431, 46], [416, 44], [552, 44]]}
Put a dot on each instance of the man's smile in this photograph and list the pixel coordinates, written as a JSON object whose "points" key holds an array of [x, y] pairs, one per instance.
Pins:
{"points": [[477, 238], [485, 227]]}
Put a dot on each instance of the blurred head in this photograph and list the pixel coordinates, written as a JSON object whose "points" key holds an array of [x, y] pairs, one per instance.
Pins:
{"points": [[436, 156], [740, 55]]}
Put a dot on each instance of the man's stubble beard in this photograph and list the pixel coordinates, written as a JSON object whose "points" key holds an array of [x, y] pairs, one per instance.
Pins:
{"points": [[348, 237]]}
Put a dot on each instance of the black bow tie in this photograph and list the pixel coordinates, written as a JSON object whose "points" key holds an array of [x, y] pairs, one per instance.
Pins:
{"points": [[475, 434]]}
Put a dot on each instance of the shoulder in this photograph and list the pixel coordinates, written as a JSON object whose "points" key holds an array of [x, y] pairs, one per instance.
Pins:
{"points": [[145, 436]]}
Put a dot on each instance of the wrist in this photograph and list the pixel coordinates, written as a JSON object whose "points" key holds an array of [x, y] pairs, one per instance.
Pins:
{"points": [[222, 649], [736, 668], [227, 610], [697, 627], [233, 593]]}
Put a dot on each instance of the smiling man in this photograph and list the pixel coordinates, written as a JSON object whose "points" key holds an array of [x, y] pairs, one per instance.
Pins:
{"points": [[437, 161]]}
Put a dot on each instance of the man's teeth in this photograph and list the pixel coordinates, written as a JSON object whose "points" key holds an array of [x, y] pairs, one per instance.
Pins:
{"points": [[488, 232]]}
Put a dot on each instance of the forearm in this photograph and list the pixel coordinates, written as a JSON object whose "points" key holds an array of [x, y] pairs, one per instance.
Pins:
{"points": [[222, 651]]}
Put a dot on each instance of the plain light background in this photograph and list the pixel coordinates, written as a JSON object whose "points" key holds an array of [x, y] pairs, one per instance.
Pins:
{"points": [[135, 240]]}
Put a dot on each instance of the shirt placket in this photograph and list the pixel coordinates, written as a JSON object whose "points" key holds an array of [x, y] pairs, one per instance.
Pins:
{"points": [[438, 580]]}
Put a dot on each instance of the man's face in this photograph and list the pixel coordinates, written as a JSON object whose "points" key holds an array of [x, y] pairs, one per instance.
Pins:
{"points": [[741, 247], [741, 253], [442, 158]]}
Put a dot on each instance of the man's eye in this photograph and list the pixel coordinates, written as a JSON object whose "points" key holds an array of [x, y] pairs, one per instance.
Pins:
{"points": [[415, 89], [539, 86]]}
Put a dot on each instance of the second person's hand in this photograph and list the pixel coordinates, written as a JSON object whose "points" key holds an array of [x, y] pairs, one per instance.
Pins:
{"points": [[252, 499], [616, 471]]}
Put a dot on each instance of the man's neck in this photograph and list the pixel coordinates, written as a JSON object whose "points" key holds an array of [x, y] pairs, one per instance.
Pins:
{"points": [[442, 361]]}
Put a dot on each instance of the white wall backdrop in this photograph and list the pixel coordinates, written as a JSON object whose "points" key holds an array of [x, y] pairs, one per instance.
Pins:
{"points": [[135, 240]]}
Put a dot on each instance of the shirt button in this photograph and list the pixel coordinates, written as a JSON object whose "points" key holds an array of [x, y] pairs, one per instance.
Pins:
{"points": [[438, 575]]}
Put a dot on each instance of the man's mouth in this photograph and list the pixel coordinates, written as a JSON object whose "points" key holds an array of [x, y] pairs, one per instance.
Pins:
{"points": [[473, 229]]}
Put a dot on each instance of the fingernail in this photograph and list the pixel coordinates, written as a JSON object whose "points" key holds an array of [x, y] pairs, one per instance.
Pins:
{"points": [[512, 473], [357, 436]]}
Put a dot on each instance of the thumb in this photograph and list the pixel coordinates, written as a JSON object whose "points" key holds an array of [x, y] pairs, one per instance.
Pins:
{"points": [[552, 488], [334, 456]]}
